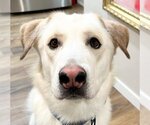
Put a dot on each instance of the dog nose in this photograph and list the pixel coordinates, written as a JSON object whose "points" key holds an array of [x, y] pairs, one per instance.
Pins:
{"points": [[72, 77]]}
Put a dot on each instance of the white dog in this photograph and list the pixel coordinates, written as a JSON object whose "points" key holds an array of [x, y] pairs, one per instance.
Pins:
{"points": [[74, 76]]}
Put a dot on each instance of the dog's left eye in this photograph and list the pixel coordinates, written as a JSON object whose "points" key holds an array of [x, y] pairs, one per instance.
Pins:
{"points": [[54, 43], [94, 43]]}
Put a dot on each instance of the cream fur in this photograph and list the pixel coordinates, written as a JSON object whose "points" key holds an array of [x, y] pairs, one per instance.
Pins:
{"points": [[72, 31]]}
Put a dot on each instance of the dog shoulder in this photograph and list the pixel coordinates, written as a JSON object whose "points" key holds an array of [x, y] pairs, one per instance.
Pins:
{"points": [[39, 108]]}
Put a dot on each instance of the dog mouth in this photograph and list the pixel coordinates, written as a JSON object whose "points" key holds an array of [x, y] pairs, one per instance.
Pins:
{"points": [[73, 93], [73, 97]]}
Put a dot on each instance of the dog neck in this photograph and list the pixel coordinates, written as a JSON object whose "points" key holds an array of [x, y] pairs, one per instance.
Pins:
{"points": [[92, 121]]}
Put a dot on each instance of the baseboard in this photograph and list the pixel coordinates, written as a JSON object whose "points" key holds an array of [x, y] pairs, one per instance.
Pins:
{"points": [[81, 2], [127, 93], [145, 100]]}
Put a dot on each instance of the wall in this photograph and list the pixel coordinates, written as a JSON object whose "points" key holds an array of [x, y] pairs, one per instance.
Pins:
{"points": [[4, 6], [145, 67], [127, 71], [81, 2]]}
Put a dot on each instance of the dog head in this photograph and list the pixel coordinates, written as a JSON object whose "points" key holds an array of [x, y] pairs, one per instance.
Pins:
{"points": [[75, 51]]}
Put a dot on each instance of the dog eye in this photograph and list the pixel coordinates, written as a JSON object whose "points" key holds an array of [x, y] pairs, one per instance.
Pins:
{"points": [[54, 43], [94, 43]]}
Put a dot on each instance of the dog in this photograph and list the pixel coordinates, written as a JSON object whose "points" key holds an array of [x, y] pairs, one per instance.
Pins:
{"points": [[73, 79]]}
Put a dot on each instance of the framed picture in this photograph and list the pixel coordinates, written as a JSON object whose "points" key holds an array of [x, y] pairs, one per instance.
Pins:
{"points": [[145, 12], [126, 10]]}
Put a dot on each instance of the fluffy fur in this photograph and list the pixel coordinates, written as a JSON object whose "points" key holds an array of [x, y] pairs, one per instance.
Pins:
{"points": [[73, 31]]}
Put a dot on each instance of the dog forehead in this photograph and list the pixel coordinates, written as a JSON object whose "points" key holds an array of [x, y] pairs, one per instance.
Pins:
{"points": [[72, 17], [73, 21]]}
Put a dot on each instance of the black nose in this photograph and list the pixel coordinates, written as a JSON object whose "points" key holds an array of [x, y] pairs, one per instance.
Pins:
{"points": [[63, 78], [72, 77], [81, 77]]}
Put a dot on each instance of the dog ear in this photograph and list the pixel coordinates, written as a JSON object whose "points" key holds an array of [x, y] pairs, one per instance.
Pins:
{"points": [[119, 34], [28, 33]]}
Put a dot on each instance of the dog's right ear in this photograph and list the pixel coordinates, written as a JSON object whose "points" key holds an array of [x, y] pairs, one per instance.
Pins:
{"points": [[28, 32], [119, 34]]}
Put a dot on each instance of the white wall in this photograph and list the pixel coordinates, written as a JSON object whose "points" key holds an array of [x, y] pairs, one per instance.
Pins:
{"points": [[81, 2], [127, 71], [145, 67], [4, 6]]}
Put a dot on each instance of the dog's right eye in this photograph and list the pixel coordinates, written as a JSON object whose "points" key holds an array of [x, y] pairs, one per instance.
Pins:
{"points": [[94, 43], [54, 43]]}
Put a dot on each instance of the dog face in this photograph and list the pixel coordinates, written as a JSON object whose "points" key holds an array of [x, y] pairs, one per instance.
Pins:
{"points": [[75, 51]]}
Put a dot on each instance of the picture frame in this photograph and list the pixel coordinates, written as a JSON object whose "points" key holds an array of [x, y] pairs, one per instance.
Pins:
{"points": [[122, 12], [145, 14]]}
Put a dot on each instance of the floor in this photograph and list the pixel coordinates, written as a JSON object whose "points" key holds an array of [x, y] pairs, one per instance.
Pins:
{"points": [[144, 116], [123, 112], [4, 70]]}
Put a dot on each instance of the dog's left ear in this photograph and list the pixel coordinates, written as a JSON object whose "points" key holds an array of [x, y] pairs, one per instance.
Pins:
{"points": [[28, 33], [119, 34]]}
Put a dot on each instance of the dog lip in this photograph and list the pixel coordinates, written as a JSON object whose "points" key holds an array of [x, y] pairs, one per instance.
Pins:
{"points": [[73, 97]]}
